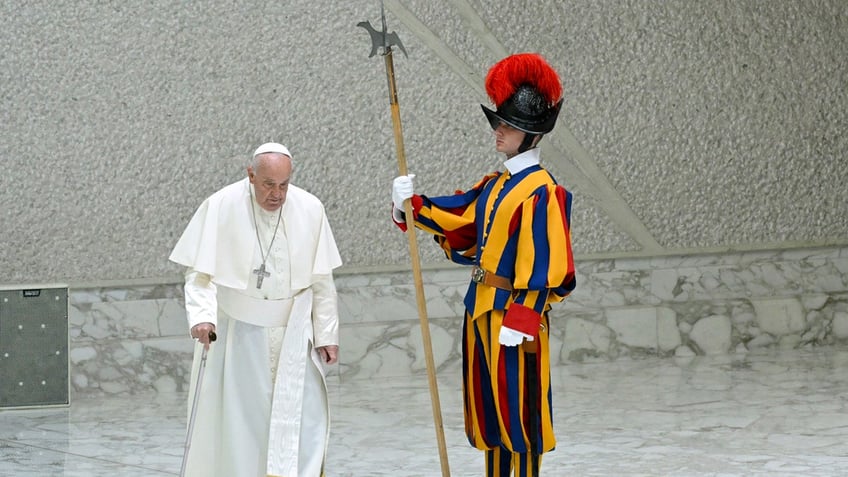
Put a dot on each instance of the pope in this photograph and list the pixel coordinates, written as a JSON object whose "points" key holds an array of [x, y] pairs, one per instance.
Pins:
{"points": [[259, 257]]}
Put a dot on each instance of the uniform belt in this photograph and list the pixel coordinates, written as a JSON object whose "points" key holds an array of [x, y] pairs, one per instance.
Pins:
{"points": [[488, 278]]}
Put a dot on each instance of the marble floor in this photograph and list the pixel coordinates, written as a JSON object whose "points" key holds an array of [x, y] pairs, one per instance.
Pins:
{"points": [[770, 413]]}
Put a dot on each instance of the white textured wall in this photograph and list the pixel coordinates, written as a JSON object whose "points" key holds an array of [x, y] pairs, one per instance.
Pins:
{"points": [[687, 126]]}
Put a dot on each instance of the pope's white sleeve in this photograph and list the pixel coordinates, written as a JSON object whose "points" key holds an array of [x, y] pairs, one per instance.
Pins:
{"points": [[201, 299], [325, 311]]}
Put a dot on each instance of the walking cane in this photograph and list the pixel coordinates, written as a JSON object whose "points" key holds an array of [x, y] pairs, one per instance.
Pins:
{"points": [[385, 40], [212, 337]]}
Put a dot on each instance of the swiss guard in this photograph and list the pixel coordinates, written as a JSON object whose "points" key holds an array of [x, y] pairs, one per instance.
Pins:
{"points": [[513, 230]]}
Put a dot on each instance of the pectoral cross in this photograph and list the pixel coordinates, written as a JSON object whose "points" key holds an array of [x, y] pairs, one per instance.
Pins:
{"points": [[260, 275]]}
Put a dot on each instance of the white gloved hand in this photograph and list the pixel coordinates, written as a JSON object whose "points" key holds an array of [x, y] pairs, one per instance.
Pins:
{"points": [[511, 337], [401, 190]]}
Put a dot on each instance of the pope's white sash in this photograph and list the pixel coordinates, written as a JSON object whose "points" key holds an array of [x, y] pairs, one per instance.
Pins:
{"points": [[256, 311], [287, 405]]}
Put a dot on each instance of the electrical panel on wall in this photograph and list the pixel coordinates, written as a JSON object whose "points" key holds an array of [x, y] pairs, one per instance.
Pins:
{"points": [[34, 346]]}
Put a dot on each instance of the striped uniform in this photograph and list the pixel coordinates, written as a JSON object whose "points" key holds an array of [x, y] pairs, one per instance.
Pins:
{"points": [[518, 227]]}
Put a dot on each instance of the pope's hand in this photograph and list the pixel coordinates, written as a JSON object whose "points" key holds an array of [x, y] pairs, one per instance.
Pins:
{"points": [[329, 354], [511, 337], [401, 190], [204, 333]]}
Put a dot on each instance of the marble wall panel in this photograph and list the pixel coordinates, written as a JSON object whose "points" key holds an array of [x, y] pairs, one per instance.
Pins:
{"points": [[133, 339]]}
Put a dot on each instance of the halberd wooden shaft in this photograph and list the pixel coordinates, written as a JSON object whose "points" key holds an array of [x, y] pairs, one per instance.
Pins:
{"points": [[416, 268]]}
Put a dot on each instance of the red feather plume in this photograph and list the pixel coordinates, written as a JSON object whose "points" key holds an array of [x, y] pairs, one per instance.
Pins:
{"points": [[522, 68]]}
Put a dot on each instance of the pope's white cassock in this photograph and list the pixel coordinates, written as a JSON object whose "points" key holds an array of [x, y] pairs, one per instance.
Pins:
{"points": [[263, 408]]}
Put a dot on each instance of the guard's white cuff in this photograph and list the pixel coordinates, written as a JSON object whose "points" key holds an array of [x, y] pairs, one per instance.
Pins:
{"points": [[398, 215], [511, 337]]}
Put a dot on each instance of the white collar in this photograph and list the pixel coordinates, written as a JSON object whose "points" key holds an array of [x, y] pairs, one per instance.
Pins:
{"points": [[522, 161]]}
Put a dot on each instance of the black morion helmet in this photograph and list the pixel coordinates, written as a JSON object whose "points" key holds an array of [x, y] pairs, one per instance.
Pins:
{"points": [[527, 93]]}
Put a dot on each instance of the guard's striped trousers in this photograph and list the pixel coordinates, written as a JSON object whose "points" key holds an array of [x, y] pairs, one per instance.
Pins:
{"points": [[507, 396], [500, 462]]}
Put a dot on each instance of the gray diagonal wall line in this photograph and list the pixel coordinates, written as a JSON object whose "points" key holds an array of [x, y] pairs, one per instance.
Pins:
{"points": [[583, 171]]}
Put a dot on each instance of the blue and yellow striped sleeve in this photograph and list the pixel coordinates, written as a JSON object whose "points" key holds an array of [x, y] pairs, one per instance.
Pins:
{"points": [[452, 221]]}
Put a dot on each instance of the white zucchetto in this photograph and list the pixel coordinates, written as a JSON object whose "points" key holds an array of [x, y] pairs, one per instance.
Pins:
{"points": [[272, 147]]}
